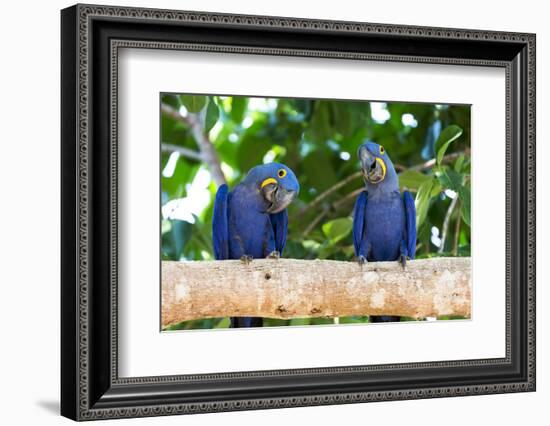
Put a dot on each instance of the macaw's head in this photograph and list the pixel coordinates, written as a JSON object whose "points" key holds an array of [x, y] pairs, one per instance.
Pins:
{"points": [[276, 183], [375, 164]]}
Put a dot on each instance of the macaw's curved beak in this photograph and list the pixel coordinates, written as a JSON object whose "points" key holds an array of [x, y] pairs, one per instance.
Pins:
{"points": [[277, 197], [373, 168]]}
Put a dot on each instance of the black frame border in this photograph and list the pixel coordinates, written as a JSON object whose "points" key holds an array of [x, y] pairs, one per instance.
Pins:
{"points": [[90, 38]]}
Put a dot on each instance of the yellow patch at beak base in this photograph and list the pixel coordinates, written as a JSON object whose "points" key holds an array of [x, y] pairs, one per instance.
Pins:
{"points": [[383, 165], [267, 182]]}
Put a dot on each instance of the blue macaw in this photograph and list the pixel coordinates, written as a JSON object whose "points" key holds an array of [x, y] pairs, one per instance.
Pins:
{"points": [[251, 221], [384, 222]]}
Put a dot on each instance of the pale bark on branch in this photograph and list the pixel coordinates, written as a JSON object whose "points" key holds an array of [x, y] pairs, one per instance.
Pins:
{"points": [[291, 288], [207, 150]]}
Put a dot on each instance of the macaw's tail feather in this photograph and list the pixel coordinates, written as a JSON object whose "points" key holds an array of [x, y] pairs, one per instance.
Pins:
{"points": [[387, 318], [244, 322]]}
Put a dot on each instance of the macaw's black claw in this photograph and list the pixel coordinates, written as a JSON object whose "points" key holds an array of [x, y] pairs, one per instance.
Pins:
{"points": [[245, 258], [361, 260], [403, 260], [274, 255]]}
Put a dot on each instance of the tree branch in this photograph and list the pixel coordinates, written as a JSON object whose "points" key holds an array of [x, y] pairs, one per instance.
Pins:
{"points": [[208, 152], [457, 231], [349, 197], [184, 152], [291, 288], [449, 158], [446, 222], [329, 191], [314, 223]]}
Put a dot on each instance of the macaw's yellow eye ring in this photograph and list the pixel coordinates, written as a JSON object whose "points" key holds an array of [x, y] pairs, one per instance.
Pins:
{"points": [[382, 150], [281, 173]]}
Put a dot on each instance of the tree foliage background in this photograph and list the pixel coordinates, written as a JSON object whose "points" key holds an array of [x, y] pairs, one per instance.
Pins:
{"points": [[209, 140]]}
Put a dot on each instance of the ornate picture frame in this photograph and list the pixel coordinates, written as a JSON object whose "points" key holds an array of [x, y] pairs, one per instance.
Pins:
{"points": [[91, 37]]}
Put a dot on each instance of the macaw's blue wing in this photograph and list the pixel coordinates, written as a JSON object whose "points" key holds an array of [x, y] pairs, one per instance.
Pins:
{"points": [[279, 222], [410, 224], [220, 228], [359, 221]]}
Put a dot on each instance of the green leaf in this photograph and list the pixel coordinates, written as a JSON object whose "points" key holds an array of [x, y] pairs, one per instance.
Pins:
{"points": [[327, 250], [238, 108], [412, 179], [224, 323], [228, 152], [171, 100], [275, 322], [342, 119], [451, 179], [320, 129], [349, 251], [450, 317], [193, 103], [459, 163], [175, 132], [337, 229], [354, 320], [200, 243], [448, 135], [184, 173], [302, 106], [436, 188], [321, 321], [167, 126], [166, 226], [212, 114], [251, 151], [311, 245], [465, 197], [422, 201], [300, 321], [175, 240], [319, 170]]}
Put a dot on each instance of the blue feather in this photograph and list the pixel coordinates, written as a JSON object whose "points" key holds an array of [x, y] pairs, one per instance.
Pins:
{"points": [[279, 222], [384, 226], [359, 223], [220, 230], [410, 224]]}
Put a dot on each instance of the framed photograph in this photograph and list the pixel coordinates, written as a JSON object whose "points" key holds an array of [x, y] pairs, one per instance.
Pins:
{"points": [[286, 144], [263, 212]]}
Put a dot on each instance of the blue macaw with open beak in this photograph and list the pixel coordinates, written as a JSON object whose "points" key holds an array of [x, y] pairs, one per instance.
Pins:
{"points": [[384, 223], [251, 221]]}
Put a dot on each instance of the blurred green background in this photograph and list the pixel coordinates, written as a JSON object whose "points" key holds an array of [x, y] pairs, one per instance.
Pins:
{"points": [[209, 140]]}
